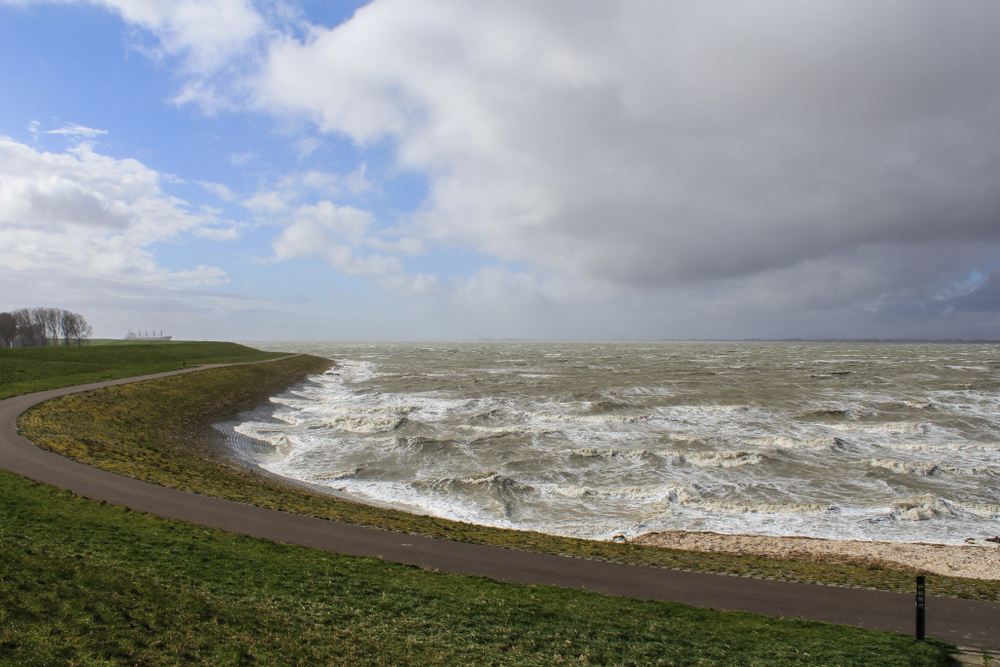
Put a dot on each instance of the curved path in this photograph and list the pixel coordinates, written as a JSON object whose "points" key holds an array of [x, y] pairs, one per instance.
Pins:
{"points": [[963, 622]]}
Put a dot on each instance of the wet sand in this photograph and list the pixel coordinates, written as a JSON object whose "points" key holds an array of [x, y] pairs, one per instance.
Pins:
{"points": [[980, 560]]}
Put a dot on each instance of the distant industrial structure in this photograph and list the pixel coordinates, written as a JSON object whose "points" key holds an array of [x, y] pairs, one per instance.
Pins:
{"points": [[131, 335]]}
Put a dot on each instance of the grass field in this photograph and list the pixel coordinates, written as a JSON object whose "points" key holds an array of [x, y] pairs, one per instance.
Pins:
{"points": [[85, 583], [25, 370]]}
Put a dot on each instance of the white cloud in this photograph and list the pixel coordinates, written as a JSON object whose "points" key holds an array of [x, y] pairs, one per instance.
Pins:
{"points": [[208, 34], [218, 233], [218, 189], [242, 159], [333, 232], [82, 215], [339, 234], [76, 131], [267, 201], [413, 286], [649, 146], [292, 188]]}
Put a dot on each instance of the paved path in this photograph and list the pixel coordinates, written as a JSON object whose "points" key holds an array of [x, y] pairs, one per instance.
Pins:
{"points": [[963, 622]]}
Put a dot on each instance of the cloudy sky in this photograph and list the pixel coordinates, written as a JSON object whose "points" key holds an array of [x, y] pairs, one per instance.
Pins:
{"points": [[410, 169]]}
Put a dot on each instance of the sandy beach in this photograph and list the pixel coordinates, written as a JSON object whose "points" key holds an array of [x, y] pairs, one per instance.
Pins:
{"points": [[980, 560]]}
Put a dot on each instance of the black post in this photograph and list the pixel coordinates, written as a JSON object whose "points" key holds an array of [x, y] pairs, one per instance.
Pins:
{"points": [[921, 608]]}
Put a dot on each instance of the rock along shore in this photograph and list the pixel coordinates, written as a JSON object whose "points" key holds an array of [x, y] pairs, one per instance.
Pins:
{"points": [[977, 561]]}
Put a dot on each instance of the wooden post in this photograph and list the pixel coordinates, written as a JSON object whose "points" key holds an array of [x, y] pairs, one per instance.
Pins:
{"points": [[921, 608]]}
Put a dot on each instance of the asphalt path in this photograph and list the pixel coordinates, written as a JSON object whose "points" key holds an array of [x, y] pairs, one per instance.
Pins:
{"points": [[964, 622]]}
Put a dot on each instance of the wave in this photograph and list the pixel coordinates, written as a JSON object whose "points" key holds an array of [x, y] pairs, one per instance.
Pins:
{"points": [[828, 413], [953, 446], [606, 418], [325, 477], [927, 468], [724, 459], [759, 507], [281, 443], [718, 459], [606, 407], [888, 427], [921, 468], [492, 416], [689, 496], [981, 510], [782, 442], [928, 507], [366, 423], [674, 493], [593, 452], [921, 508], [494, 487], [424, 445], [492, 480]]}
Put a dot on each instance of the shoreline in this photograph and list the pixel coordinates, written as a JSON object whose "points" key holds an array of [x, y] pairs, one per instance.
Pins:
{"points": [[977, 561], [980, 560], [175, 415]]}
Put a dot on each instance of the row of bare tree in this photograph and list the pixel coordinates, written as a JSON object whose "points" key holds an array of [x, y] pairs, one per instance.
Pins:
{"points": [[36, 327]]}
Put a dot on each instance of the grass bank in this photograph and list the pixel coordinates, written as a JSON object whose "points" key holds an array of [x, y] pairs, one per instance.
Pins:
{"points": [[154, 431], [26, 370], [85, 583]]}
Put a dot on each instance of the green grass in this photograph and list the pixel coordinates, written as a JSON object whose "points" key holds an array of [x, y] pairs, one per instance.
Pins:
{"points": [[86, 583], [25, 370]]}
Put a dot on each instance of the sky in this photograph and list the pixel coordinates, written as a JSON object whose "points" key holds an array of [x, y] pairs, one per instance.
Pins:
{"points": [[419, 169]]}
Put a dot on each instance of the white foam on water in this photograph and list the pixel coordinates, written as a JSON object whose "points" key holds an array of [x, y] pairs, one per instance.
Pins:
{"points": [[953, 446], [928, 468], [759, 507], [725, 459], [784, 442], [897, 427], [594, 452], [907, 467], [675, 493], [601, 439]]}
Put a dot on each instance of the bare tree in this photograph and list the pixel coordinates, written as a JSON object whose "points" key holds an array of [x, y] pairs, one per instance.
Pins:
{"points": [[67, 325], [8, 328], [27, 331], [51, 322], [39, 319], [34, 327], [78, 330]]}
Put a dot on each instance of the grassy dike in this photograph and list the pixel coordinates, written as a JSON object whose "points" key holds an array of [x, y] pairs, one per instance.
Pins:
{"points": [[25, 370], [85, 583]]}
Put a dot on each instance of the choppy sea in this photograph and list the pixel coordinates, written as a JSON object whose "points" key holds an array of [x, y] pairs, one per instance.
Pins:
{"points": [[897, 442]]}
